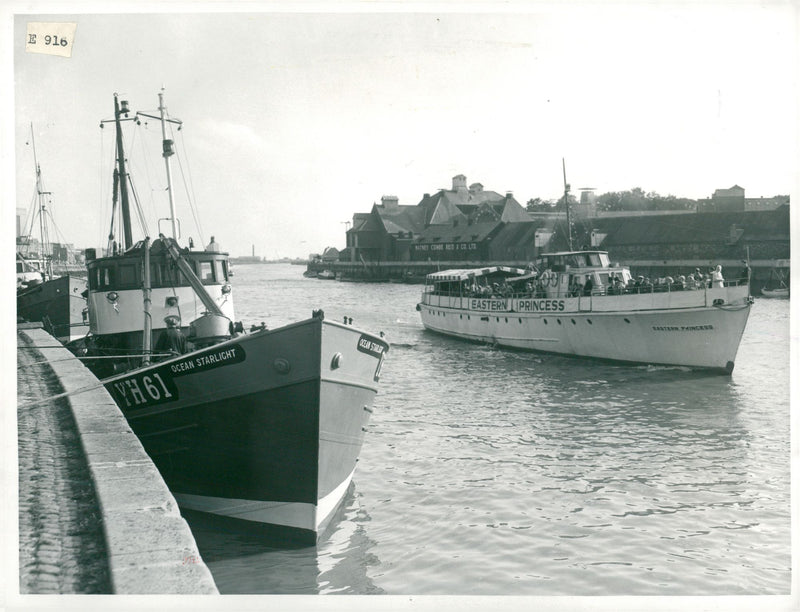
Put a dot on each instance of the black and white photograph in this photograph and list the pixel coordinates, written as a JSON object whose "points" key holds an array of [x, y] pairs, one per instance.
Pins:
{"points": [[399, 305]]}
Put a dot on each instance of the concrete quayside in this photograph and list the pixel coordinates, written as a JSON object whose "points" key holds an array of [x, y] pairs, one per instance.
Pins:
{"points": [[95, 516]]}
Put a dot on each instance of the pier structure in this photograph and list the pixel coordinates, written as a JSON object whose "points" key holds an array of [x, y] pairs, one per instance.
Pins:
{"points": [[95, 516]]}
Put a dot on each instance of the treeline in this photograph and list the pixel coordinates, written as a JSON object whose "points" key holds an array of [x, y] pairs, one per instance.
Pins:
{"points": [[633, 199]]}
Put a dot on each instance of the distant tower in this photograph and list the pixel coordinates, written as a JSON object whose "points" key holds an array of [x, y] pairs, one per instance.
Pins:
{"points": [[459, 183]]}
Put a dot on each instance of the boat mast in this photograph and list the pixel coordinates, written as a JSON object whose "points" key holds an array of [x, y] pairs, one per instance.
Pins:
{"points": [[566, 204], [127, 238], [146, 291], [168, 152], [44, 245]]}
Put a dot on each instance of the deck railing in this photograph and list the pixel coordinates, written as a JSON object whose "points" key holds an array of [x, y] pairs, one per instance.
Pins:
{"points": [[545, 293]]}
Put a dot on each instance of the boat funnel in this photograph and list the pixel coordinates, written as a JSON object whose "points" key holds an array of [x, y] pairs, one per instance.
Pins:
{"points": [[209, 329]]}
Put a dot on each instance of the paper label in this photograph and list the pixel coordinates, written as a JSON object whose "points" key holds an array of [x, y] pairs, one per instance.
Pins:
{"points": [[50, 38]]}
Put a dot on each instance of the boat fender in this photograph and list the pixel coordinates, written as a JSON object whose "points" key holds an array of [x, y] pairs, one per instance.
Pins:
{"points": [[718, 302], [419, 308]]}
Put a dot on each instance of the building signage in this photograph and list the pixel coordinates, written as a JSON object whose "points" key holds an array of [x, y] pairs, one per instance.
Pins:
{"points": [[446, 247]]}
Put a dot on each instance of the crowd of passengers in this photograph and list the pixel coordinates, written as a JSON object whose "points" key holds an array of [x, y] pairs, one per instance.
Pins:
{"points": [[541, 286]]}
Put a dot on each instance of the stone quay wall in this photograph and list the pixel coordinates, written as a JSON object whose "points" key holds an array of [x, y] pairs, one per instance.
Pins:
{"points": [[95, 516]]}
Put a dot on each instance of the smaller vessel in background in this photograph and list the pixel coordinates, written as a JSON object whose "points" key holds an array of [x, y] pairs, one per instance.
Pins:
{"points": [[776, 286], [57, 301], [781, 292]]}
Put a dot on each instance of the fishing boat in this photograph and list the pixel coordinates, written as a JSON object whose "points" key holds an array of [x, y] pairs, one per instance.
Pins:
{"points": [[56, 300], [326, 275], [259, 430], [579, 304]]}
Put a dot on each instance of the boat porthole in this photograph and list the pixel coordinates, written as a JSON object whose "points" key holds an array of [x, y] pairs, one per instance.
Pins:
{"points": [[460, 316], [498, 319], [281, 366], [468, 318], [336, 361], [558, 321], [626, 320], [506, 319], [573, 321], [545, 321], [520, 321], [589, 321]]}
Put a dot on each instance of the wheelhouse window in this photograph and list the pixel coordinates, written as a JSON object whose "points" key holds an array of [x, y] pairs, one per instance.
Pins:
{"points": [[127, 277], [221, 270], [168, 275], [104, 277], [205, 271], [595, 259]]}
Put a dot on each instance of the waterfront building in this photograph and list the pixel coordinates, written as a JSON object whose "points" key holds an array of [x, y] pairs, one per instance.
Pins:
{"points": [[395, 232], [733, 200], [475, 227]]}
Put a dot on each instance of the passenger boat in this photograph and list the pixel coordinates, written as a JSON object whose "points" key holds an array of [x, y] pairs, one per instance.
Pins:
{"points": [[58, 301], [540, 310], [260, 430]]}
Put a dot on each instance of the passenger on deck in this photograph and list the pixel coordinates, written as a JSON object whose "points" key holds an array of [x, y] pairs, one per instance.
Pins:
{"points": [[588, 286], [680, 284], [716, 277], [171, 339], [213, 246]]}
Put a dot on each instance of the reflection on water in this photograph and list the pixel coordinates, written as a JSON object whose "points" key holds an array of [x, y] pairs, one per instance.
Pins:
{"points": [[336, 565], [496, 472]]}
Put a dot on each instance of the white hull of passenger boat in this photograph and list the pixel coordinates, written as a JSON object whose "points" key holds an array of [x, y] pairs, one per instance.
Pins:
{"points": [[693, 328]]}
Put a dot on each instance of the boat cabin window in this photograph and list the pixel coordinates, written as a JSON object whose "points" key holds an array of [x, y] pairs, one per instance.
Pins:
{"points": [[127, 277], [168, 275], [221, 272], [102, 277], [205, 271]]}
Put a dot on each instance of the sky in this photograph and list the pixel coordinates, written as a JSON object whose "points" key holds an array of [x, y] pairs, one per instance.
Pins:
{"points": [[294, 121]]}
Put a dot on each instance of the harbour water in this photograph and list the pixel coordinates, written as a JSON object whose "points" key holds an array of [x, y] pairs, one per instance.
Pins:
{"points": [[495, 472]]}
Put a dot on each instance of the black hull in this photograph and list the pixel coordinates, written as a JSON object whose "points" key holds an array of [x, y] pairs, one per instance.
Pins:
{"points": [[259, 431], [58, 303]]}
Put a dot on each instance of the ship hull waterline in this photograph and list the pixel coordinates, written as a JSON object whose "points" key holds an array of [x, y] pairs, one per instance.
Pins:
{"points": [[704, 337], [261, 432]]}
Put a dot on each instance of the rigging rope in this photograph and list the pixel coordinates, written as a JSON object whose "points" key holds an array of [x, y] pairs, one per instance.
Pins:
{"points": [[190, 197]]}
